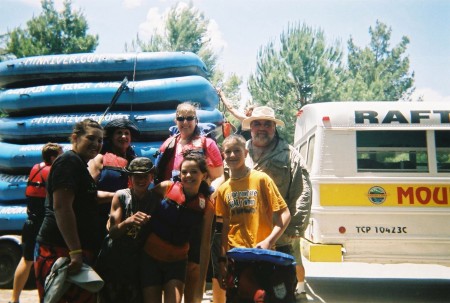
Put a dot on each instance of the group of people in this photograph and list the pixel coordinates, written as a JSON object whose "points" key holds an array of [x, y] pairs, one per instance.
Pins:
{"points": [[150, 228]]}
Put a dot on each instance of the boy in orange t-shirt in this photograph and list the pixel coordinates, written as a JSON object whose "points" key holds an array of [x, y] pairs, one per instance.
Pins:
{"points": [[254, 213]]}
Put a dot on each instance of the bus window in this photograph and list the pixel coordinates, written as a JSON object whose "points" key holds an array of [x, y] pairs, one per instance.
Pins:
{"points": [[303, 150], [442, 138], [392, 151], [310, 156]]}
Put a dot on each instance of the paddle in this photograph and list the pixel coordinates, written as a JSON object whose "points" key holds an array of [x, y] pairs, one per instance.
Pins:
{"points": [[116, 96]]}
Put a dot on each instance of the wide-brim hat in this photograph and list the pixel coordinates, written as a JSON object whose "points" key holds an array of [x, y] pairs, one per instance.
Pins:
{"points": [[261, 113], [122, 123], [140, 165], [59, 281]]}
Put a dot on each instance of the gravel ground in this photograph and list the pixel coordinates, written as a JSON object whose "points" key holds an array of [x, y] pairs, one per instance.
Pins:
{"points": [[31, 296], [27, 296]]}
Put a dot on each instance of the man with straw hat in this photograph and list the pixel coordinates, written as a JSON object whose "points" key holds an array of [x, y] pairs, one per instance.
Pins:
{"points": [[283, 163]]}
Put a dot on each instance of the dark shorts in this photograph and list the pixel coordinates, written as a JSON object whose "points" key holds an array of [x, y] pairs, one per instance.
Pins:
{"points": [[195, 242], [158, 273], [29, 234], [216, 248], [292, 249]]}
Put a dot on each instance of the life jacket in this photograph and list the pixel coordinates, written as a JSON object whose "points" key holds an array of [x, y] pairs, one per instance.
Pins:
{"points": [[113, 175], [166, 156], [174, 219], [226, 129], [37, 180]]}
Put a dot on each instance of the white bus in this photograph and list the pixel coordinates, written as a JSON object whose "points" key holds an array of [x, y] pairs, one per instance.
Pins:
{"points": [[380, 173]]}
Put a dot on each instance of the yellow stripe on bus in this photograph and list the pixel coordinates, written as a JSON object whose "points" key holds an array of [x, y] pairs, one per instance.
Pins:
{"points": [[402, 195]]}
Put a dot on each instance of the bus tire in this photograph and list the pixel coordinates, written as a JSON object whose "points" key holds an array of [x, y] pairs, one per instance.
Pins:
{"points": [[10, 254]]}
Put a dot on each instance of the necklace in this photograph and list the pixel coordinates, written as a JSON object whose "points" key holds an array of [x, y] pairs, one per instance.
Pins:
{"points": [[133, 230], [136, 201], [245, 174]]}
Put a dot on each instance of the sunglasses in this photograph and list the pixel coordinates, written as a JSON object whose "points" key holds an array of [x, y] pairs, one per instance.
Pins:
{"points": [[257, 124], [188, 118]]}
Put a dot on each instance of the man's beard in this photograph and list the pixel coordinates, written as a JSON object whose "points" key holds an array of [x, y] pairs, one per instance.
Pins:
{"points": [[262, 139]]}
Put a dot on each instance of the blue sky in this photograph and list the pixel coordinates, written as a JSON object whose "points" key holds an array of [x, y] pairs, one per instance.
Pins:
{"points": [[240, 27]]}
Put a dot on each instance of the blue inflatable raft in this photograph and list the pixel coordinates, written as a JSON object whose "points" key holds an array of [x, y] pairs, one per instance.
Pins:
{"points": [[139, 95], [154, 125], [19, 158], [44, 96], [91, 67], [12, 217], [12, 187]]}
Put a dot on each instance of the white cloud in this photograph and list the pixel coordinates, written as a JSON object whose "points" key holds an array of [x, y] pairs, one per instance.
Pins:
{"points": [[129, 4], [156, 21], [153, 22], [217, 41], [37, 3], [429, 95]]}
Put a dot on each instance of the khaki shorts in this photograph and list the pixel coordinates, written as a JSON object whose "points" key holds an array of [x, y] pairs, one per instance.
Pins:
{"points": [[291, 246]]}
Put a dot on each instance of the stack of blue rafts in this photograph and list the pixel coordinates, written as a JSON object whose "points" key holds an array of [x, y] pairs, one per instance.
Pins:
{"points": [[43, 97]]}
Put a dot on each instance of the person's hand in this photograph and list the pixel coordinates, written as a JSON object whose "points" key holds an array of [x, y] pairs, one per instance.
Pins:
{"points": [[76, 261], [265, 244], [138, 219]]}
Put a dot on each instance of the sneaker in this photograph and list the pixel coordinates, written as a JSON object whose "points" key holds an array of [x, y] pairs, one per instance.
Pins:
{"points": [[300, 295], [207, 295]]}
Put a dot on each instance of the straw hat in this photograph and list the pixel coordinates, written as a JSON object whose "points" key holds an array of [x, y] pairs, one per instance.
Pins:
{"points": [[261, 113]]}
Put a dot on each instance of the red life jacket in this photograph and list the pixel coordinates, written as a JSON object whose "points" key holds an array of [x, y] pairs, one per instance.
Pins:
{"points": [[110, 159], [37, 180], [226, 129], [113, 176]]}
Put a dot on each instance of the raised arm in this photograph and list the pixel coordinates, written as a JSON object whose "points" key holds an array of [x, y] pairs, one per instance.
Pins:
{"points": [[236, 113]]}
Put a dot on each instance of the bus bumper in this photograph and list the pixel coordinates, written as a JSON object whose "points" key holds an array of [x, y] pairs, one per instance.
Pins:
{"points": [[321, 252]]}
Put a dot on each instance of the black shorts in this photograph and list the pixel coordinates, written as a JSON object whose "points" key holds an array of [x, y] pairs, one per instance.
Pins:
{"points": [[29, 234], [154, 272], [216, 249], [287, 249], [195, 242]]}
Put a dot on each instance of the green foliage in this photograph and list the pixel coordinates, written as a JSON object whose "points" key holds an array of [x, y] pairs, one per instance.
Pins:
{"points": [[52, 32], [376, 72], [302, 70], [3, 52], [185, 30]]}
